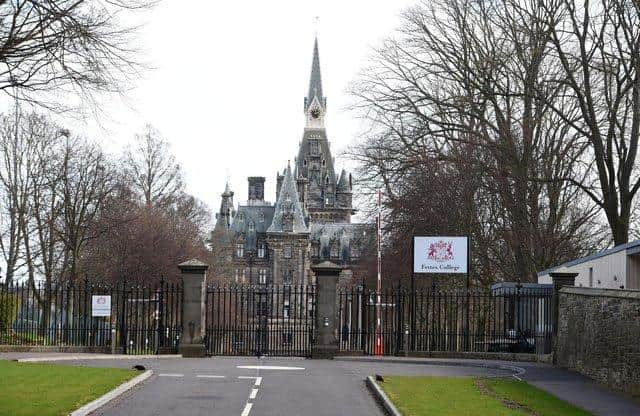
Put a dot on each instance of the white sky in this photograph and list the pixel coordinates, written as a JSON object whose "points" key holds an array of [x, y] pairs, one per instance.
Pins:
{"points": [[229, 80]]}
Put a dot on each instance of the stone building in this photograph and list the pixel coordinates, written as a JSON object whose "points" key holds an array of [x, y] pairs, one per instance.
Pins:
{"points": [[311, 219]]}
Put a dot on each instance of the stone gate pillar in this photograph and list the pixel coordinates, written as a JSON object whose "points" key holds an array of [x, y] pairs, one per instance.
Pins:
{"points": [[193, 308], [327, 341], [559, 281]]}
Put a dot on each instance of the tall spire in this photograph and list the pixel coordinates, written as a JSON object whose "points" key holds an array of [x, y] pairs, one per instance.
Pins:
{"points": [[315, 82]]}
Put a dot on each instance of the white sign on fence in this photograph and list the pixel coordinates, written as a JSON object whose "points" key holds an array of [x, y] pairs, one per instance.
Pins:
{"points": [[440, 254], [100, 305]]}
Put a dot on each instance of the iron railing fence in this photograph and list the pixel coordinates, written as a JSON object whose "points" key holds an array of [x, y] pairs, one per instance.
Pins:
{"points": [[143, 319], [519, 320], [276, 320]]}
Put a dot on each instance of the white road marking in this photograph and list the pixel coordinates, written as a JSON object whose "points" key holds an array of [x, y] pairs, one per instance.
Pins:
{"points": [[247, 409], [258, 380], [170, 375], [268, 367], [254, 393], [208, 376]]}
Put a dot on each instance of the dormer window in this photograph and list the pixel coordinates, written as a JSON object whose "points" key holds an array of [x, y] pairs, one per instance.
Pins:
{"points": [[252, 226], [287, 222], [241, 216], [334, 250], [261, 216]]}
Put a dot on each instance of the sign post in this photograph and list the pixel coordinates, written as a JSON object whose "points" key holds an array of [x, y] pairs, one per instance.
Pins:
{"points": [[442, 255]]}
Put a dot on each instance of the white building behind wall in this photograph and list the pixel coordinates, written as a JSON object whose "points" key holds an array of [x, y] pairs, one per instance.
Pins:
{"points": [[615, 268]]}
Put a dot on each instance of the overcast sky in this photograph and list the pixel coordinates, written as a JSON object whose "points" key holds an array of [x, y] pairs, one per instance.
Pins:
{"points": [[229, 80]]}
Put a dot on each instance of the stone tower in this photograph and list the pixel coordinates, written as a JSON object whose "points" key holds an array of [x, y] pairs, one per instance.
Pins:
{"points": [[314, 164]]}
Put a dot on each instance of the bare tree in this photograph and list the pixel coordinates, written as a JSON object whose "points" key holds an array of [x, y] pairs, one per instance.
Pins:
{"points": [[460, 87], [53, 46], [87, 179], [16, 152], [598, 47], [152, 169]]}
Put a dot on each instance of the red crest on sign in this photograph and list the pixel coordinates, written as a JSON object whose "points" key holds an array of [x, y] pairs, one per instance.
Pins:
{"points": [[440, 251]]}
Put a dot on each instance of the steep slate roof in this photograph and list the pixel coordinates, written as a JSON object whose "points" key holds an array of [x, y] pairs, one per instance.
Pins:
{"points": [[288, 199], [343, 182], [251, 213], [347, 235], [227, 190], [314, 198], [315, 82]]}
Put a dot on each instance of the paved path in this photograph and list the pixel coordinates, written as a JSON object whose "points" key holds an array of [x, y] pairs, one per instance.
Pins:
{"points": [[259, 387]]}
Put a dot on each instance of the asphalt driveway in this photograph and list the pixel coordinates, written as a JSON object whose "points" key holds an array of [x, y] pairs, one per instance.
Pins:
{"points": [[260, 387], [250, 386]]}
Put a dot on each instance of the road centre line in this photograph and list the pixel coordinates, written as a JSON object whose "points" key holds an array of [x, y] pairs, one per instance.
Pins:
{"points": [[208, 376], [170, 375], [247, 409], [254, 393]]}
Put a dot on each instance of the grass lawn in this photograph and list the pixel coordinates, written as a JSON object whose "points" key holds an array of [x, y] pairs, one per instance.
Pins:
{"points": [[462, 396], [45, 389]]}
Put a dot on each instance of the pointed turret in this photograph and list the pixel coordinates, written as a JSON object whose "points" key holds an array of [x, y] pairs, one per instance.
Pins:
{"points": [[315, 82], [288, 216], [344, 184], [227, 211]]}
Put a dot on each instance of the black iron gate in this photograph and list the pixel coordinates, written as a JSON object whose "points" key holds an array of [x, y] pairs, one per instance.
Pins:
{"points": [[148, 318], [260, 320], [142, 319], [397, 321]]}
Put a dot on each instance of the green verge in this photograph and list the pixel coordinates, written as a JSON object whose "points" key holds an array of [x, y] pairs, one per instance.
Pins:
{"points": [[45, 389], [460, 396]]}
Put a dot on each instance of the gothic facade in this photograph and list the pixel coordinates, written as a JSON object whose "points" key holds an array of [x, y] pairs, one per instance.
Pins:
{"points": [[311, 219]]}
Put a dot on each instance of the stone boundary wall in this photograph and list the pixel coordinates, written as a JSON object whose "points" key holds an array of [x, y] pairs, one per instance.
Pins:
{"points": [[599, 335]]}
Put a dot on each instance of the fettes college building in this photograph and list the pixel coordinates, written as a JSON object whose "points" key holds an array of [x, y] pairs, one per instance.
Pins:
{"points": [[311, 219]]}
